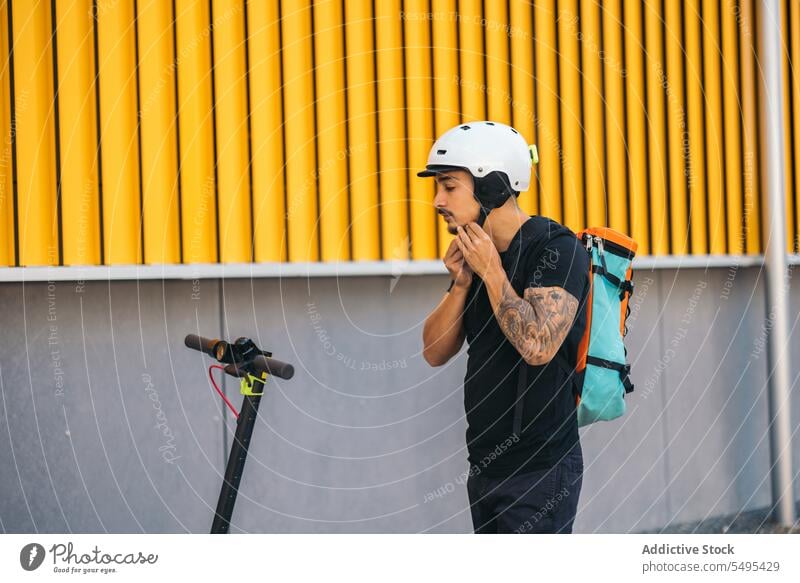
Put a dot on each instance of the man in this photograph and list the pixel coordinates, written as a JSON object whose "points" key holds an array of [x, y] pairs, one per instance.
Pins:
{"points": [[526, 463]]}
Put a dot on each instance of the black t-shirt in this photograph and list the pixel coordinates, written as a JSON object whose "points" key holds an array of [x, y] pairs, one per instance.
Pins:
{"points": [[549, 422]]}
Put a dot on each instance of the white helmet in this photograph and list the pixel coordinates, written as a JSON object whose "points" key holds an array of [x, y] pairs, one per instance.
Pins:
{"points": [[482, 147]]}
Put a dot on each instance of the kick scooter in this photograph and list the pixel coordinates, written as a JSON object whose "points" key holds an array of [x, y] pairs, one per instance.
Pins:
{"points": [[243, 359]]}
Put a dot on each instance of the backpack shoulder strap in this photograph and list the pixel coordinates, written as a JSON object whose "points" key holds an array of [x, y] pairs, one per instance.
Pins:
{"points": [[528, 237], [534, 234]]}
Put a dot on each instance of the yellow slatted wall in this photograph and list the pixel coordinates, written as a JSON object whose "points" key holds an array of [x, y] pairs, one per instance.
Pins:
{"points": [[200, 131]]}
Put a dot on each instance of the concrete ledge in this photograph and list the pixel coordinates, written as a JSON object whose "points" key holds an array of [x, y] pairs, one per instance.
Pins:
{"points": [[320, 269]]}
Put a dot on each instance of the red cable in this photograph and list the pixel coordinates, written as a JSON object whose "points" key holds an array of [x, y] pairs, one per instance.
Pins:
{"points": [[213, 382]]}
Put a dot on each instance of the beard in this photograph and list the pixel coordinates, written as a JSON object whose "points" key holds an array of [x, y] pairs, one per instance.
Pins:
{"points": [[452, 226]]}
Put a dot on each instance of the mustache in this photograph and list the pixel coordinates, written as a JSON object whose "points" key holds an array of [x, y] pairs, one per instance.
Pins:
{"points": [[444, 213]]}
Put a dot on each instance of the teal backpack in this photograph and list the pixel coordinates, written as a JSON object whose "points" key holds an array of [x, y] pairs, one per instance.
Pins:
{"points": [[601, 376]]}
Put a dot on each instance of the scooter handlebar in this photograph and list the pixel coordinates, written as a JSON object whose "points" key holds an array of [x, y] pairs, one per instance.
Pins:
{"points": [[261, 363], [274, 367], [205, 345]]}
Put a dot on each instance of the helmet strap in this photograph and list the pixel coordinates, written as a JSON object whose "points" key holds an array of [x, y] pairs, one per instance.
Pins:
{"points": [[491, 191], [483, 214]]}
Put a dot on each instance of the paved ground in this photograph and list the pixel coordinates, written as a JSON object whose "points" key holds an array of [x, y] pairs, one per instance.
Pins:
{"points": [[754, 521]]}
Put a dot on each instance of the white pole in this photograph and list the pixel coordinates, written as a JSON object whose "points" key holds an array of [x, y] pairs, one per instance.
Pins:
{"points": [[773, 187]]}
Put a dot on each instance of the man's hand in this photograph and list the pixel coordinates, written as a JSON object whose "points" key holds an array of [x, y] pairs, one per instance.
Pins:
{"points": [[478, 250], [460, 272]]}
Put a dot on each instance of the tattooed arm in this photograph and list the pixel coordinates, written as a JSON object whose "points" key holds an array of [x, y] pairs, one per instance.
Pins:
{"points": [[536, 325]]}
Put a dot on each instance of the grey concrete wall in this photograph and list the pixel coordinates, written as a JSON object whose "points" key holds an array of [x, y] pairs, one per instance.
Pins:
{"points": [[107, 423]]}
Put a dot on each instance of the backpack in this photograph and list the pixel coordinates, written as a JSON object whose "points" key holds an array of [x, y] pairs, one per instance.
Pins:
{"points": [[601, 376]]}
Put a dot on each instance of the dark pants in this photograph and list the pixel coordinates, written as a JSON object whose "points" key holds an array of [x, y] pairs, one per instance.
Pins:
{"points": [[544, 501]]}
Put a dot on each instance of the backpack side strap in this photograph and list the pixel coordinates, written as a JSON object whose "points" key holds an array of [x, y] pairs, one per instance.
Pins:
{"points": [[624, 370], [623, 286]]}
